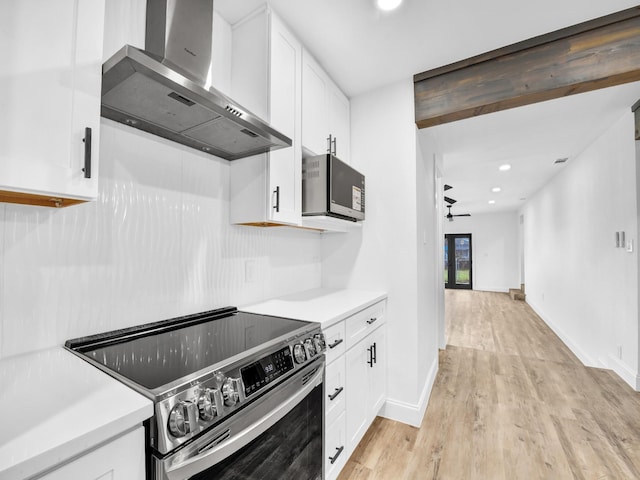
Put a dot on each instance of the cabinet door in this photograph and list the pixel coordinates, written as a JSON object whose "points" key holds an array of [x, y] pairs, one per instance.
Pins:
{"points": [[315, 108], [121, 459], [285, 165], [357, 389], [339, 123], [335, 448], [377, 374], [51, 74]]}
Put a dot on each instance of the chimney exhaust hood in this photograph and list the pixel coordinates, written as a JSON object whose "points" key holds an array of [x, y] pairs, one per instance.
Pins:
{"points": [[162, 90]]}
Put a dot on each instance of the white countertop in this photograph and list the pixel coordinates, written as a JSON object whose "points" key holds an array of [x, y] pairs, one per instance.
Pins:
{"points": [[55, 406], [324, 305]]}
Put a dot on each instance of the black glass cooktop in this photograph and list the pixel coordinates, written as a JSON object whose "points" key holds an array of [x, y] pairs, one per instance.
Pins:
{"points": [[162, 355]]}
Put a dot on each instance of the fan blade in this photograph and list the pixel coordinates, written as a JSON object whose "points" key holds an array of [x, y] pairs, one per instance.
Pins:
{"points": [[449, 200], [463, 215]]}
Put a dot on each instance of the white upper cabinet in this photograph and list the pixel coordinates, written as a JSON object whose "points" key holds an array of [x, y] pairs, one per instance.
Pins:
{"points": [[51, 73], [267, 79], [325, 112]]}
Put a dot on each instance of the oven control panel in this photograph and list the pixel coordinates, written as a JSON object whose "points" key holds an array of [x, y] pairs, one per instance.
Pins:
{"points": [[259, 374]]}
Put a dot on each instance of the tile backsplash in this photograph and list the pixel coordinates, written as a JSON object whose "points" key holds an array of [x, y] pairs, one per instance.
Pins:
{"points": [[156, 244]]}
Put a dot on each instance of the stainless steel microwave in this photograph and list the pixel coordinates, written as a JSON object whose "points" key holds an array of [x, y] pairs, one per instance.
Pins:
{"points": [[331, 187]]}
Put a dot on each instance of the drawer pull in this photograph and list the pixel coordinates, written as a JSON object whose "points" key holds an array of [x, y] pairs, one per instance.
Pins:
{"points": [[336, 343], [335, 457], [336, 393], [371, 320]]}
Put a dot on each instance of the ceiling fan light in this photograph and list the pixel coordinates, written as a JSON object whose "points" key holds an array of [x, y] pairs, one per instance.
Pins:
{"points": [[505, 167], [388, 4]]}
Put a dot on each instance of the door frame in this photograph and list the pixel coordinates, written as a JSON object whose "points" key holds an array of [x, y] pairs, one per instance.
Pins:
{"points": [[449, 241]]}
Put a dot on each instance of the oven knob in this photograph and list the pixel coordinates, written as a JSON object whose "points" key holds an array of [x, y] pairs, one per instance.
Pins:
{"points": [[181, 417], [318, 341], [298, 353], [310, 347], [230, 391], [207, 405]]}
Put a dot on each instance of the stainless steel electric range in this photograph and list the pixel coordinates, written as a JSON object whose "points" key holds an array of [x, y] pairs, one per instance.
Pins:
{"points": [[236, 395]]}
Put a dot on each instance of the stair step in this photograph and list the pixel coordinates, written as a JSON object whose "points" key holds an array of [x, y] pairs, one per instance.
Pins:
{"points": [[516, 294]]}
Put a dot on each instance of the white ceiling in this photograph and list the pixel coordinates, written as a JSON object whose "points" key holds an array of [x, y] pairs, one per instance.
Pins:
{"points": [[364, 49], [530, 139]]}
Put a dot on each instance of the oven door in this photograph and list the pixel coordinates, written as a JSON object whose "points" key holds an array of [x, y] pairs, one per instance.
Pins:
{"points": [[278, 436]]}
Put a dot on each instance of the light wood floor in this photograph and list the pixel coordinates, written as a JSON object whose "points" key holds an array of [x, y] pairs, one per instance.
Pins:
{"points": [[510, 402]]}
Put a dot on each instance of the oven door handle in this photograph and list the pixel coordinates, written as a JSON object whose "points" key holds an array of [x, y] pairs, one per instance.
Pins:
{"points": [[208, 458]]}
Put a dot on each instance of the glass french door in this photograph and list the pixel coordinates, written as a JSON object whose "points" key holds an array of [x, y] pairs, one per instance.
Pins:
{"points": [[457, 261]]}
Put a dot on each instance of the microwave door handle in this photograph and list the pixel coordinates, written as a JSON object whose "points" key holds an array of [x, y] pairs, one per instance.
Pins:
{"points": [[215, 455]]}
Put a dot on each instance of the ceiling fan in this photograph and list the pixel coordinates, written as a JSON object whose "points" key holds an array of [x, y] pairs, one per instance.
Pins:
{"points": [[450, 215]]}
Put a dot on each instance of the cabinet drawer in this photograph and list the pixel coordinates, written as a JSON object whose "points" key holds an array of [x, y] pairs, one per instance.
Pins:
{"points": [[335, 384], [335, 448], [364, 322], [335, 339]]}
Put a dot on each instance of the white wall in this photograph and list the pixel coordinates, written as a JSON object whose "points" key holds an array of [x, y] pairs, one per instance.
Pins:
{"points": [[576, 280], [385, 254], [156, 244], [494, 244], [430, 293]]}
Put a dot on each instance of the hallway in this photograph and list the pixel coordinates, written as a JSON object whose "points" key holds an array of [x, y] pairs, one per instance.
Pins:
{"points": [[510, 402]]}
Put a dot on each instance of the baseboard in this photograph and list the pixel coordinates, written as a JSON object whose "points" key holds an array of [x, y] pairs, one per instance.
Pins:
{"points": [[577, 351], [492, 289], [409, 413], [625, 372]]}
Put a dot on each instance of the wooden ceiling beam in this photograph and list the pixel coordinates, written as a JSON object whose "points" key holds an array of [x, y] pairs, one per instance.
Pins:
{"points": [[600, 53]]}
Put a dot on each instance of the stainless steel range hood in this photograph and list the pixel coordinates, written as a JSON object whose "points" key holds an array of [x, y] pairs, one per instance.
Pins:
{"points": [[161, 90]]}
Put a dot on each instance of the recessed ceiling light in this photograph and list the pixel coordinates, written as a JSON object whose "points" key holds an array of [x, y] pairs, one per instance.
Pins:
{"points": [[496, 189], [388, 4], [491, 202], [505, 167]]}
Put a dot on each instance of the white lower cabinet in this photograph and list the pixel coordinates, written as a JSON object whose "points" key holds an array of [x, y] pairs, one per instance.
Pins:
{"points": [[355, 382], [335, 382], [335, 447], [120, 459], [366, 381]]}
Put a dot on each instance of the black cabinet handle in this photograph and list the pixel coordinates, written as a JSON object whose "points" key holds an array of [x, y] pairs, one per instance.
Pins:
{"points": [[329, 144], [335, 457], [276, 207], [87, 152], [336, 343], [338, 391], [335, 148], [374, 353], [370, 361], [371, 320]]}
